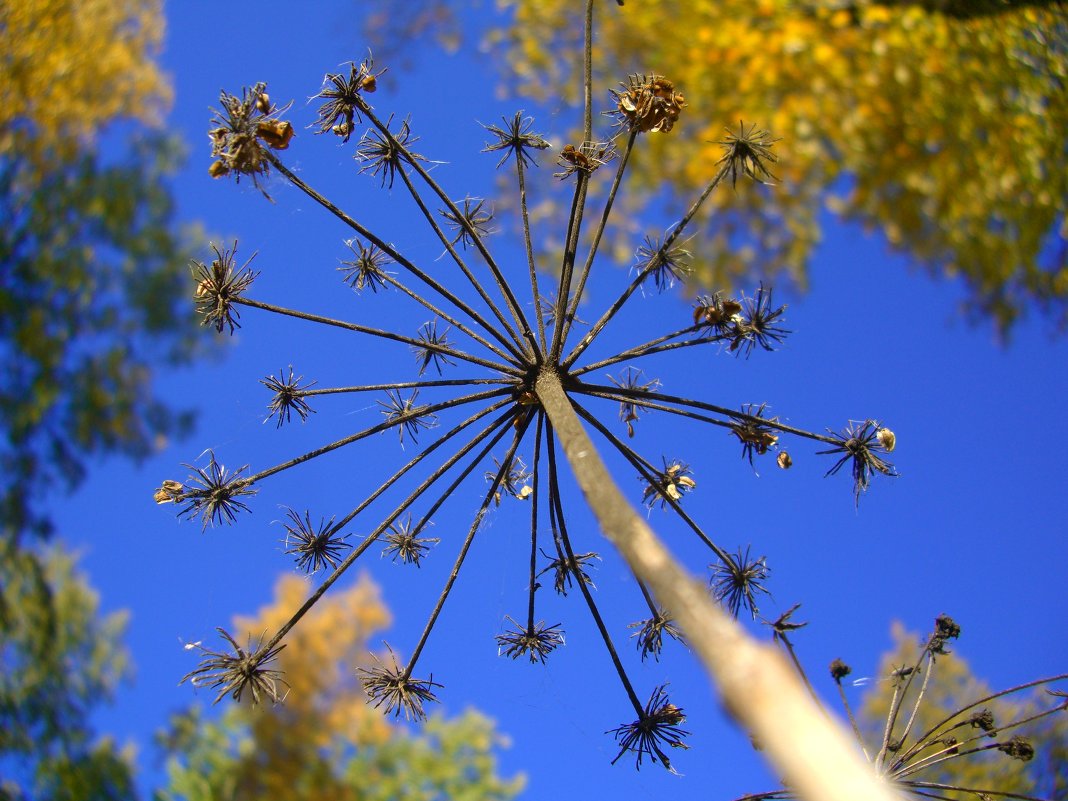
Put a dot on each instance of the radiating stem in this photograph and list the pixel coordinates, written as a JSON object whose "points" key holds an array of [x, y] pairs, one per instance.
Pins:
{"points": [[588, 265], [475, 525], [386, 248], [445, 382], [558, 521], [502, 284], [376, 332], [383, 426], [458, 259]]}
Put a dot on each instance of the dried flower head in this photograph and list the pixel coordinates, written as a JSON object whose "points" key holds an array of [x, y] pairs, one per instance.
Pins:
{"points": [[536, 641], [648, 103], [859, 445], [470, 222], [288, 397], [665, 265], [241, 129], [650, 634], [220, 286], [514, 481], [945, 629], [757, 325], [755, 436], [383, 154], [585, 158], [737, 580], [658, 725], [406, 414], [563, 569], [669, 485], [514, 138], [404, 544], [839, 670], [630, 382], [395, 690], [748, 152], [717, 312], [366, 270], [212, 493], [240, 670], [343, 100], [432, 348], [314, 547]]}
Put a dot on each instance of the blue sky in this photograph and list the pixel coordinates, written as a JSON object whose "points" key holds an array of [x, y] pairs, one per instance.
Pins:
{"points": [[974, 527]]}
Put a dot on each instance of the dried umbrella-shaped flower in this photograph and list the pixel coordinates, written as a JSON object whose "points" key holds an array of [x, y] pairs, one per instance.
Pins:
{"points": [[518, 380]]}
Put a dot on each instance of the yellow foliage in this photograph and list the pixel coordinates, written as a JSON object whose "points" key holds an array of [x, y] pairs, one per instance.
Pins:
{"points": [[71, 66], [947, 134], [325, 704]]}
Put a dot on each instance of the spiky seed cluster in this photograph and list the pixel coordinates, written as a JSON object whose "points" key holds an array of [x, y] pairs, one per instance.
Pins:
{"points": [[755, 436], [563, 569], [630, 381], [288, 397], [748, 152], [366, 271], [342, 96], [241, 129], [314, 547], [737, 580], [241, 670], [648, 103], [670, 484], [665, 265], [659, 725], [393, 690], [407, 414], [650, 634], [213, 494], [404, 544], [472, 221], [585, 158], [717, 312], [383, 154], [514, 137], [859, 444], [945, 629], [536, 641], [515, 480], [428, 351], [219, 286]]}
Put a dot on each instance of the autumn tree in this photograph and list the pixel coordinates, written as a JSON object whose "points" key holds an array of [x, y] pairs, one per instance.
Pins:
{"points": [[91, 261], [325, 741], [59, 658], [938, 123]]}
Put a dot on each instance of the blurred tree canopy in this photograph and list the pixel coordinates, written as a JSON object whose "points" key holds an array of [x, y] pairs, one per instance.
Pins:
{"points": [[324, 742], [952, 686], [939, 123], [58, 659], [92, 265]]}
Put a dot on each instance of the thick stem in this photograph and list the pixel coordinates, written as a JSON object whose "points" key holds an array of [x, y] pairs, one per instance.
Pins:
{"points": [[756, 683]]}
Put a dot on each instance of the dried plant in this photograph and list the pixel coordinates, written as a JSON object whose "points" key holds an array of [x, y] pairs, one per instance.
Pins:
{"points": [[912, 758], [526, 382]]}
